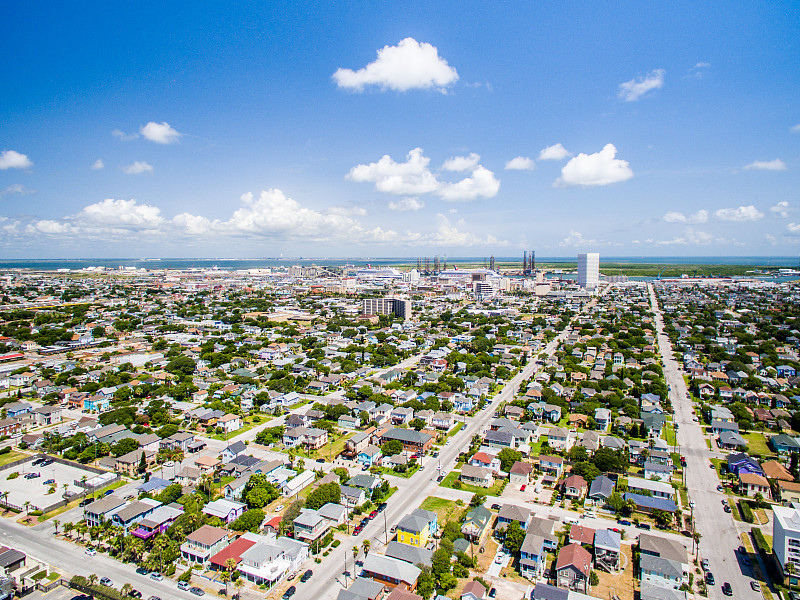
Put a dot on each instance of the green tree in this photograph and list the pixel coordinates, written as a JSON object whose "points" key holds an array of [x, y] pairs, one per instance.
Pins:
{"points": [[508, 457], [425, 582], [392, 447], [328, 492], [249, 521], [514, 536]]}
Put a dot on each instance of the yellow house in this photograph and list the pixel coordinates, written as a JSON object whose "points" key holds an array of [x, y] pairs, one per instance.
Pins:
{"points": [[417, 528]]}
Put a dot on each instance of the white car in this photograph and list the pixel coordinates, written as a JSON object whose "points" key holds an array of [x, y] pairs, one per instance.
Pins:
{"points": [[499, 558], [90, 552], [169, 463]]}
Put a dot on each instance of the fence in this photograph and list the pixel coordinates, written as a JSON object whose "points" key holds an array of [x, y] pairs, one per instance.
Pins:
{"points": [[50, 586]]}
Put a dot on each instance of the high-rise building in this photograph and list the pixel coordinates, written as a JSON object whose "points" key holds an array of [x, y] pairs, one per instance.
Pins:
{"points": [[786, 536], [589, 270], [387, 306]]}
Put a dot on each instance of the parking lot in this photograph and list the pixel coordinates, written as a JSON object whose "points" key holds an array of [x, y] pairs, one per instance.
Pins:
{"points": [[21, 489]]}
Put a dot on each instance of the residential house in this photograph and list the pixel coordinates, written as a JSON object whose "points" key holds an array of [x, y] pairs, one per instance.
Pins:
{"points": [[602, 416], [103, 509], [369, 456], [607, 544], [487, 461], [310, 526], [132, 513], [390, 572], [575, 487], [204, 543], [741, 462], [520, 473], [558, 438], [783, 443], [552, 465], [230, 423], [129, 464], [473, 590], [512, 512], [601, 489], [662, 561], [477, 476], [413, 441], [158, 521], [417, 528], [657, 489], [751, 484], [231, 451], [475, 523], [573, 565], [227, 510]]}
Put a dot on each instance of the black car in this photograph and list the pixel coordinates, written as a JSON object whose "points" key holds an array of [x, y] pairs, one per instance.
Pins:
{"points": [[382, 507], [85, 502], [306, 576], [727, 589], [135, 594], [495, 507], [492, 592], [289, 593], [320, 460], [709, 578]]}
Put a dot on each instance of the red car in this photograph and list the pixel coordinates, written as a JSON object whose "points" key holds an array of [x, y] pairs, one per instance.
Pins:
{"points": [[522, 489], [373, 514]]}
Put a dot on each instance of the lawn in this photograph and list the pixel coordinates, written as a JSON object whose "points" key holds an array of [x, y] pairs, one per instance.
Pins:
{"points": [[669, 434], [11, 457], [329, 450], [757, 444], [249, 423], [455, 429], [452, 477], [446, 510]]}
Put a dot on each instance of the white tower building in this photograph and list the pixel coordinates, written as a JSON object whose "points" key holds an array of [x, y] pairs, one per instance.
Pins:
{"points": [[589, 270]]}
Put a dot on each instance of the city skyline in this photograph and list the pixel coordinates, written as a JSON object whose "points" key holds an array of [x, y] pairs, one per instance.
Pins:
{"points": [[374, 130]]}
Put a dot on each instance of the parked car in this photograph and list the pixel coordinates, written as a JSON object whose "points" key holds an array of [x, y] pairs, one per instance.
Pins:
{"points": [[90, 552], [440, 478], [624, 522], [727, 589], [755, 586], [709, 578], [85, 502], [289, 592], [183, 585], [169, 463], [645, 526], [495, 507], [135, 594], [382, 506], [704, 564], [320, 460], [106, 581], [492, 592], [522, 489], [306, 576], [720, 488], [726, 508], [156, 576], [154, 598], [197, 591], [32, 475]]}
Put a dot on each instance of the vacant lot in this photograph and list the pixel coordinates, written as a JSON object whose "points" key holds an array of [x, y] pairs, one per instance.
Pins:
{"points": [[34, 491]]}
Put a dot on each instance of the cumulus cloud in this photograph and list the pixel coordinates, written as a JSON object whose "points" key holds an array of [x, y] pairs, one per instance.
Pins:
{"points": [[740, 214], [781, 209], [767, 165], [125, 137], [699, 70], [576, 239], [520, 163], [793, 228], [461, 163], [701, 216], [348, 210], [600, 168], [632, 90], [160, 133], [121, 213], [137, 168], [98, 164], [554, 152], [409, 65], [449, 234], [407, 205], [795, 129], [414, 177], [691, 237], [11, 159], [406, 178]]}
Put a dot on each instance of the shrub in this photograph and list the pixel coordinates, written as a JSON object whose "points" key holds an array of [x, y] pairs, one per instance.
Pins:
{"points": [[5, 450], [13, 475], [747, 512]]}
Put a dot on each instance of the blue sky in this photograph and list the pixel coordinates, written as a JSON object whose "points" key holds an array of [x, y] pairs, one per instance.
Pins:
{"points": [[388, 129]]}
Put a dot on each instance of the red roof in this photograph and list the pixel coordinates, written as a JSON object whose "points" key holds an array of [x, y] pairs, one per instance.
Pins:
{"points": [[234, 551], [274, 523], [482, 457], [574, 555], [581, 535]]}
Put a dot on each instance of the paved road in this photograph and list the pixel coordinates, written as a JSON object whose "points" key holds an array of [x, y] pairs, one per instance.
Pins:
{"points": [[719, 535], [328, 578]]}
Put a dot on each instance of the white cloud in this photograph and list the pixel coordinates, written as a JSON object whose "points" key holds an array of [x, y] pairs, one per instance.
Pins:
{"points": [[554, 152], [409, 65], [699, 70], [793, 227], [701, 216], [740, 214], [121, 213], [191, 224], [691, 237], [795, 129], [480, 184], [520, 163], [448, 234], [138, 167], [461, 163], [98, 164], [407, 205], [11, 159], [356, 211], [408, 178], [576, 239], [16, 188], [125, 137], [160, 133], [632, 90], [781, 209], [414, 177], [600, 168], [767, 165]]}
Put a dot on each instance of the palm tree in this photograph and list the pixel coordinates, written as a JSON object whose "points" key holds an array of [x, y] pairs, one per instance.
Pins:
{"points": [[225, 577], [366, 544], [238, 585], [789, 568], [5, 497], [68, 527], [92, 579], [27, 505], [56, 523], [355, 553], [126, 589]]}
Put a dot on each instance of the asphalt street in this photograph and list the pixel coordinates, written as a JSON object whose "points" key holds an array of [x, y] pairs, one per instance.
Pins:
{"points": [[719, 535]]}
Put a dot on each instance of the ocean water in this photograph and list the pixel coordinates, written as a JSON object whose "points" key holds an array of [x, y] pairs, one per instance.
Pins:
{"points": [[255, 263]]}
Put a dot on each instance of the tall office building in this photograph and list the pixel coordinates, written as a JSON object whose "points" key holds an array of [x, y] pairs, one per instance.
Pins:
{"points": [[589, 270]]}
